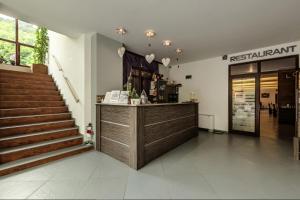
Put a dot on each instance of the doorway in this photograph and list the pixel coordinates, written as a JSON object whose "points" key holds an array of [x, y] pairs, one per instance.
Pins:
{"points": [[269, 105], [262, 98]]}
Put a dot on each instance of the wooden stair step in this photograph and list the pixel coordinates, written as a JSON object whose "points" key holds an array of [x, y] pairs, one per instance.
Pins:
{"points": [[27, 86], [32, 111], [10, 91], [27, 76], [36, 127], [30, 104], [15, 153], [30, 119], [25, 81], [3, 71], [33, 161], [30, 98], [35, 124], [14, 141]]}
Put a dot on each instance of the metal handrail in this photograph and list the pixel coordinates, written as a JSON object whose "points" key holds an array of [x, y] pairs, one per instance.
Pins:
{"points": [[70, 86]]}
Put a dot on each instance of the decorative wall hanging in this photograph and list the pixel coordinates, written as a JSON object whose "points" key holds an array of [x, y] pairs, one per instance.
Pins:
{"points": [[150, 34], [150, 58], [122, 32], [121, 51], [166, 61]]}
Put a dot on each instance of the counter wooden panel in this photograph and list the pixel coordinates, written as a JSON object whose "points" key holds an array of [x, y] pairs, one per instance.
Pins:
{"points": [[136, 135]]}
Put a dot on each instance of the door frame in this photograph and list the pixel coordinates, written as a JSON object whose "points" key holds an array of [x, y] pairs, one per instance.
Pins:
{"points": [[257, 76]]}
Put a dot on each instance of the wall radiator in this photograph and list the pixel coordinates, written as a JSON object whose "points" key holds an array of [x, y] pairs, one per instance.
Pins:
{"points": [[207, 121]]}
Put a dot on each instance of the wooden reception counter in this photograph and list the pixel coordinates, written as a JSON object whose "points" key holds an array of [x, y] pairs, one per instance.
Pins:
{"points": [[138, 134]]}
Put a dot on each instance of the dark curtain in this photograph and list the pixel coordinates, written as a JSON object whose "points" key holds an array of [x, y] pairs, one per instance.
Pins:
{"points": [[132, 60]]}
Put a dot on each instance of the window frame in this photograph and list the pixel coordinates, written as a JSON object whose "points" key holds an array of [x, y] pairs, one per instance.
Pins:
{"points": [[17, 44]]}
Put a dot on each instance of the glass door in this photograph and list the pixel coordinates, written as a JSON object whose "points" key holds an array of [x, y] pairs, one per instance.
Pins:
{"points": [[243, 105]]}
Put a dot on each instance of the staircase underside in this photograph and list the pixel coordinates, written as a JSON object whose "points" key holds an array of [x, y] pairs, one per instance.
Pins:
{"points": [[36, 126]]}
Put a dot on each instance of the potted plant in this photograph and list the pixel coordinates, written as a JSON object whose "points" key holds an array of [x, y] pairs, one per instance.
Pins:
{"points": [[134, 97], [40, 51]]}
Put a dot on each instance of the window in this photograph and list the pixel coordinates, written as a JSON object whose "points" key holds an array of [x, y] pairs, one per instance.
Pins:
{"points": [[17, 40], [243, 69], [278, 64]]}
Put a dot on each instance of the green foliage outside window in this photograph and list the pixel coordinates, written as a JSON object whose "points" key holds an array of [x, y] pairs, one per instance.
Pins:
{"points": [[26, 36]]}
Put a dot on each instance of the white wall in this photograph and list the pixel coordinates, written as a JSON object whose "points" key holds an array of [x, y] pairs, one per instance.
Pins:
{"points": [[164, 71], [92, 65], [107, 69], [70, 55], [210, 84], [109, 65]]}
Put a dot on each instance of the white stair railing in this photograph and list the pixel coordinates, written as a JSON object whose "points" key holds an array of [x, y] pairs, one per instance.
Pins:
{"points": [[70, 86]]}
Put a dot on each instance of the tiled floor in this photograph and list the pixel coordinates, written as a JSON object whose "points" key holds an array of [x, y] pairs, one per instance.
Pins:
{"points": [[210, 166]]}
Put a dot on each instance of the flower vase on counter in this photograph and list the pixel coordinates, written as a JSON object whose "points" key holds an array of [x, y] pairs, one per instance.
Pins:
{"points": [[135, 99]]}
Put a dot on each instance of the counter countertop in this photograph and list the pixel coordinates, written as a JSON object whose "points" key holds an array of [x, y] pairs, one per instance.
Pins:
{"points": [[141, 105]]}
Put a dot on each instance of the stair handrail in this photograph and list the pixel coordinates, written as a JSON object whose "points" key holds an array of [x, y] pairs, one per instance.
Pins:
{"points": [[69, 84]]}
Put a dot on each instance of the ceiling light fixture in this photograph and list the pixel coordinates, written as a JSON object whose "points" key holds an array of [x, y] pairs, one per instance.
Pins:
{"points": [[121, 31], [178, 51], [150, 33], [167, 43]]}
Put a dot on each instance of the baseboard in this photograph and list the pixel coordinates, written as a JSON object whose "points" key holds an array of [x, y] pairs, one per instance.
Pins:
{"points": [[203, 129], [215, 131]]}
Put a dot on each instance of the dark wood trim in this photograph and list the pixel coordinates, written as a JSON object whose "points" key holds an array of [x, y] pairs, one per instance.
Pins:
{"points": [[98, 128], [149, 132], [6, 40], [17, 44], [257, 103]]}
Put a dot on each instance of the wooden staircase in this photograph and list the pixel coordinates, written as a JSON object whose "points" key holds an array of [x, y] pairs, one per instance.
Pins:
{"points": [[36, 126]]}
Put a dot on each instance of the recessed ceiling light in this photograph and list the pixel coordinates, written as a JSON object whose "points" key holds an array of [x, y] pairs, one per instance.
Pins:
{"points": [[167, 43], [121, 31], [178, 51], [150, 33]]}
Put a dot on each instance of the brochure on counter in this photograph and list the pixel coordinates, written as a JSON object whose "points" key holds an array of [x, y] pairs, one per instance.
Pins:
{"points": [[116, 97]]}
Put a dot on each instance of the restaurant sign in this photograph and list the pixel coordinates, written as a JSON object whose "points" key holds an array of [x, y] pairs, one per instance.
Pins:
{"points": [[263, 53]]}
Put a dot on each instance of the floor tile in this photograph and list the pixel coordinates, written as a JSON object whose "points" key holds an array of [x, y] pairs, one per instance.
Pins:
{"points": [[190, 186], [209, 166], [59, 190], [18, 189], [105, 188], [148, 183]]}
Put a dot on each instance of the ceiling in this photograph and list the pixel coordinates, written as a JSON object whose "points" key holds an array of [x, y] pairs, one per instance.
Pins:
{"points": [[202, 28]]}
